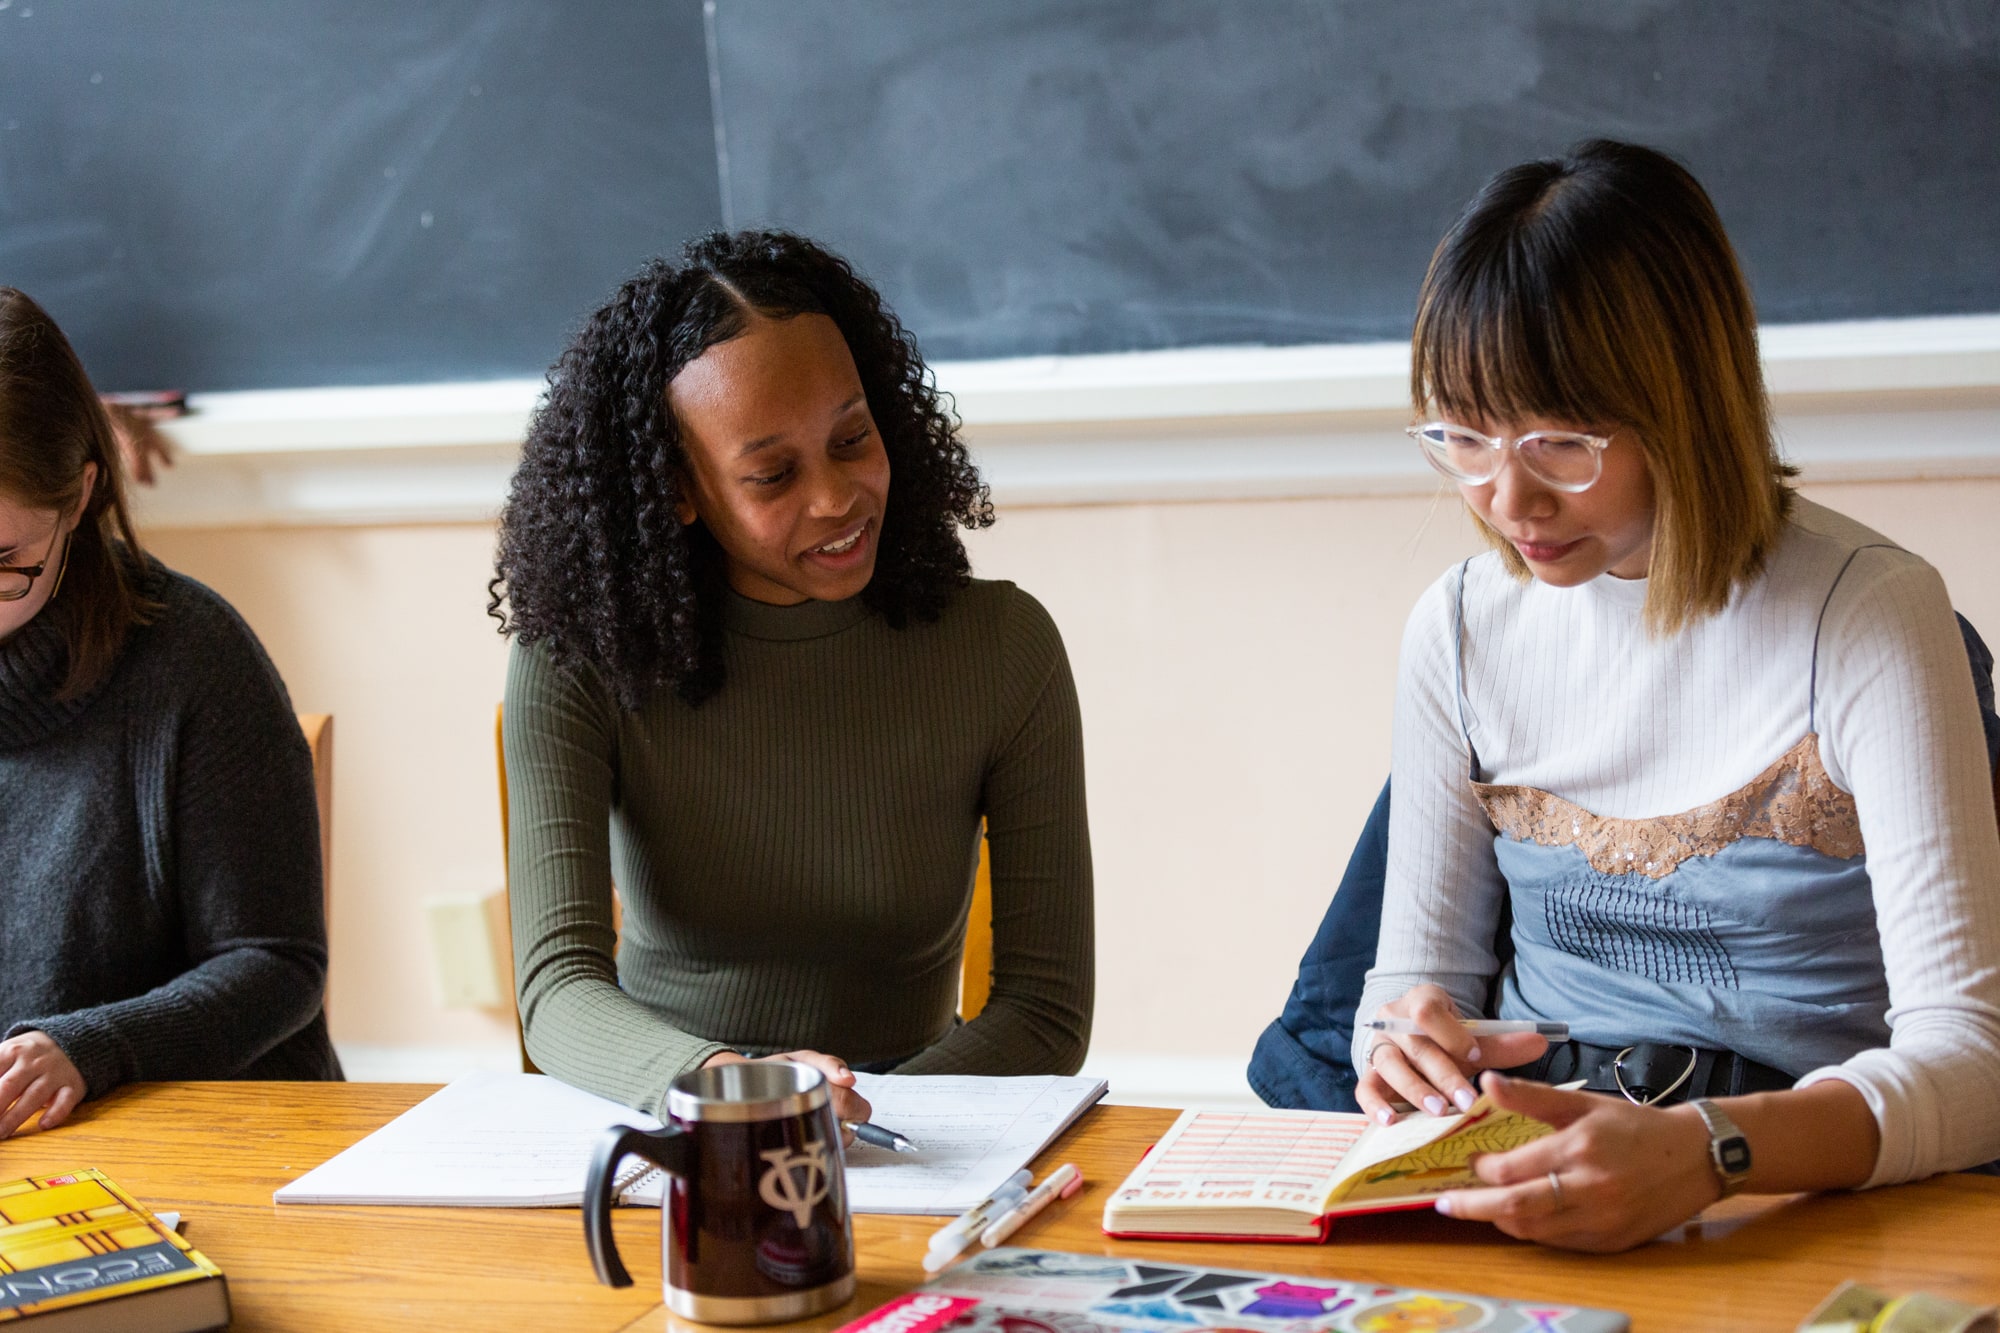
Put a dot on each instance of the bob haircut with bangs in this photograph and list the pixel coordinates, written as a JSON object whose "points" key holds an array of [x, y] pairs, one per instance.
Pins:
{"points": [[1600, 290]]}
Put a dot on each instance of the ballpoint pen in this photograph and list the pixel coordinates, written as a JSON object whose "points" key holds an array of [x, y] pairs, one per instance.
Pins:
{"points": [[1062, 1182], [964, 1229], [1478, 1027], [880, 1137]]}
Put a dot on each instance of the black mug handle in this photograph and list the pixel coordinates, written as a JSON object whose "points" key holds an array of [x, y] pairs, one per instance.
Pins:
{"points": [[667, 1148]]}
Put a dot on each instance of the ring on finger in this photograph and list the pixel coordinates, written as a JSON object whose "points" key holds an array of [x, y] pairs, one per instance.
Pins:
{"points": [[1556, 1191], [1368, 1060]]}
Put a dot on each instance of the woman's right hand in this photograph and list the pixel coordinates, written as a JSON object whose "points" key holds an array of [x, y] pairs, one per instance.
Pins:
{"points": [[848, 1105], [36, 1075], [1435, 1068]]}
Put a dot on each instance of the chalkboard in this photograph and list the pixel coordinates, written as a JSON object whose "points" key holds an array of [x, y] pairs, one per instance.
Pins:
{"points": [[267, 193], [1044, 176]]}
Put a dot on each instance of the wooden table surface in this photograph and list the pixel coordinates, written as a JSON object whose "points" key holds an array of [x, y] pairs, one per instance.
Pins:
{"points": [[216, 1151]]}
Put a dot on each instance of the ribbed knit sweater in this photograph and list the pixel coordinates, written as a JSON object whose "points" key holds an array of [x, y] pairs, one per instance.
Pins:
{"points": [[159, 855], [795, 855]]}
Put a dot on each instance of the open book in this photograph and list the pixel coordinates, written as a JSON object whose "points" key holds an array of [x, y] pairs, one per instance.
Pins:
{"points": [[1285, 1175], [524, 1140]]}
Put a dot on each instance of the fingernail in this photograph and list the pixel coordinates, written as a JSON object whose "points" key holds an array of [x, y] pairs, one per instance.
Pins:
{"points": [[1385, 1115], [1464, 1098], [1472, 1056], [1434, 1104], [1444, 1204]]}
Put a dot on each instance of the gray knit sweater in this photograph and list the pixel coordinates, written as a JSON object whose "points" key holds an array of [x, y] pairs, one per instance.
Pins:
{"points": [[159, 855]]}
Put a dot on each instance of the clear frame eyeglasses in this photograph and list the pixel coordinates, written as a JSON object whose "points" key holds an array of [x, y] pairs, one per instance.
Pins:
{"points": [[17, 581], [1566, 460]]}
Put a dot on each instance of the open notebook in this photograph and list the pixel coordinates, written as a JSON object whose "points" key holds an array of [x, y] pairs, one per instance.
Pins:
{"points": [[1285, 1175], [524, 1140]]}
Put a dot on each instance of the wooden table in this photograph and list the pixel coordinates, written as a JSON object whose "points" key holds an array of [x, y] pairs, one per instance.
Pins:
{"points": [[216, 1151]]}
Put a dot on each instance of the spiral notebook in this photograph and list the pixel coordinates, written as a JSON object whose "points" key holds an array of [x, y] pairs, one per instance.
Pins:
{"points": [[484, 1140], [525, 1140]]}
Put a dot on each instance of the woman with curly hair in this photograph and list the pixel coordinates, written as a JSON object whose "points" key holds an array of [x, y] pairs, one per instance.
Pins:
{"points": [[754, 684], [159, 836]]}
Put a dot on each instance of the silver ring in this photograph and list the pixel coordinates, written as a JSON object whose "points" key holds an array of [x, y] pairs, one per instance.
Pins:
{"points": [[1556, 1190], [1368, 1056]]}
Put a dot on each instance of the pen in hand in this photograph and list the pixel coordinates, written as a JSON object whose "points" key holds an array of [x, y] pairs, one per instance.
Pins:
{"points": [[879, 1137], [1478, 1027]]}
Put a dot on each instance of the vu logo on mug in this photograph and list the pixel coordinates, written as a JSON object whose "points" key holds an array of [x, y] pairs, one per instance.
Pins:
{"points": [[795, 1181]]}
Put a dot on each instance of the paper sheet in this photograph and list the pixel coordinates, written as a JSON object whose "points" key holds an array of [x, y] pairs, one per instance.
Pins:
{"points": [[524, 1140], [972, 1134], [519, 1140]]}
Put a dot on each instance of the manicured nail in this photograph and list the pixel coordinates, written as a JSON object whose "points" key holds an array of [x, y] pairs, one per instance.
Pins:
{"points": [[1385, 1115], [1434, 1104], [1472, 1056], [1443, 1204], [1464, 1098]]}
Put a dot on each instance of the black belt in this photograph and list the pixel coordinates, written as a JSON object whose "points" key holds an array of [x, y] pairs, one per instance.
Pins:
{"points": [[1647, 1072]]}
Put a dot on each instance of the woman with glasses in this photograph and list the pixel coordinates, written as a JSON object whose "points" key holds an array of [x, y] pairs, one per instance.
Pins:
{"points": [[1712, 749], [159, 838], [754, 685]]}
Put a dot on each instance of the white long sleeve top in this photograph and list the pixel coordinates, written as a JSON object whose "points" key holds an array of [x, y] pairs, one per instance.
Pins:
{"points": [[1565, 690]]}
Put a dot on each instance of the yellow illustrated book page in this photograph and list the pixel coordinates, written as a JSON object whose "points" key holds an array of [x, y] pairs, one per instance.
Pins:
{"points": [[76, 1238], [1422, 1156]]}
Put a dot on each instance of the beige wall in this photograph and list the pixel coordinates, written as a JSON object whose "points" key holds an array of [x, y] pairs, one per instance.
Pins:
{"points": [[1235, 662]]}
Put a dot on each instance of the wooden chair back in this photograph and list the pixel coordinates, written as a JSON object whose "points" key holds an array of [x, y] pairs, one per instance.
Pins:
{"points": [[975, 972], [318, 729], [500, 762]]}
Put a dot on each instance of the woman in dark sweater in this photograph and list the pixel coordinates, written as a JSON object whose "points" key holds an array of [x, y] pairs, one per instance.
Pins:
{"points": [[159, 841]]}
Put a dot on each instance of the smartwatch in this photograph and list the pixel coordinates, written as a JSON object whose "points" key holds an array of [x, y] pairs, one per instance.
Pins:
{"points": [[1728, 1150]]}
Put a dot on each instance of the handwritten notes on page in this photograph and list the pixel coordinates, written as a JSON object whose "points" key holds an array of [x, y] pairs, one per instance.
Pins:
{"points": [[524, 1140], [501, 1140], [971, 1134], [1281, 1159]]}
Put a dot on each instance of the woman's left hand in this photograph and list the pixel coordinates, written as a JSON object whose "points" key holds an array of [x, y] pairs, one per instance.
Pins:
{"points": [[35, 1075], [1623, 1174]]}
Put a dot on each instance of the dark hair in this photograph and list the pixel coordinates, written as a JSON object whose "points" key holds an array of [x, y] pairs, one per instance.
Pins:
{"points": [[593, 560], [1600, 288], [51, 427]]}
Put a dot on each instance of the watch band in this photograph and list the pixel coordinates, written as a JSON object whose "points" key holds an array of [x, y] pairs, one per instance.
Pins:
{"points": [[1728, 1150]]}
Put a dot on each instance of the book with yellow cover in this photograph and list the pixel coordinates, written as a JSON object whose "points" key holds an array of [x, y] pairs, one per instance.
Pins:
{"points": [[1285, 1175], [78, 1254]]}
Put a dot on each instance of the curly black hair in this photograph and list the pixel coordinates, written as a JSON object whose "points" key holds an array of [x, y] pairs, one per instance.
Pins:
{"points": [[593, 559]]}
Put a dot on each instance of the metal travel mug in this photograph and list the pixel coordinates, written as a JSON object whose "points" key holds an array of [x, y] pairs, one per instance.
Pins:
{"points": [[755, 1227]]}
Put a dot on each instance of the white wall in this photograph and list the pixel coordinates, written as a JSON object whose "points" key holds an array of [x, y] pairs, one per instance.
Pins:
{"points": [[1234, 660], [1229, 539]]}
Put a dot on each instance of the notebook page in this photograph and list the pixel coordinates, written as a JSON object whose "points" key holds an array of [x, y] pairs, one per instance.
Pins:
{"points": [[501, 1140], [1275, 1159], [972, 1133]]}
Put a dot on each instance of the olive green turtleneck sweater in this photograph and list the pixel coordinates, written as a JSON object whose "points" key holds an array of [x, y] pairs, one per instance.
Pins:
{"points": [[796, 854]]}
